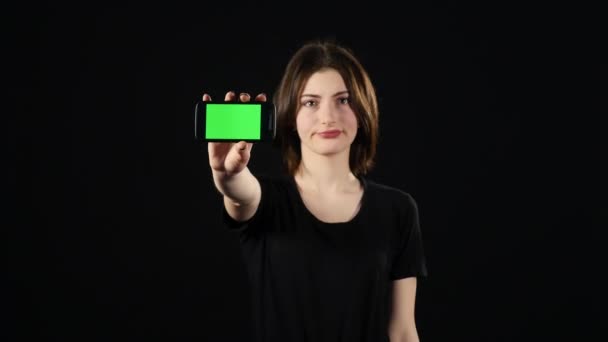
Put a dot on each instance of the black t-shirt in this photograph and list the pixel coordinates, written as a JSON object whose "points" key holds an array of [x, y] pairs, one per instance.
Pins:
{"points": [[317, 281]]}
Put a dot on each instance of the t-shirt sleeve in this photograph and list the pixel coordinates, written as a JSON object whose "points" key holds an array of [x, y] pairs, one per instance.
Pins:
{"points": [[409, 258], [260, 217]]}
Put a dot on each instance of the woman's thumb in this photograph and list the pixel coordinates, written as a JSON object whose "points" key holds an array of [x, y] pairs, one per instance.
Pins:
{"points": [[241, 146]]}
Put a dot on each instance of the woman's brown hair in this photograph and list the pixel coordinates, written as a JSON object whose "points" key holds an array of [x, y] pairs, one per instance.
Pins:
{"points": [[310, 58]]}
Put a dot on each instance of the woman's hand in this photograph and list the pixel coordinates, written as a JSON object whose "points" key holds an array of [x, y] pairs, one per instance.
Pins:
{"points": [[231, 158]]}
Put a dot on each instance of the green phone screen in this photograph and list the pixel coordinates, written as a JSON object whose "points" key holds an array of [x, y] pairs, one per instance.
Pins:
{"points": [[233, 121]]}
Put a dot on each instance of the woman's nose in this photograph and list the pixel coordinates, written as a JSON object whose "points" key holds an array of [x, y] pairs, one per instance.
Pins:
{"points": [[328, 114]]}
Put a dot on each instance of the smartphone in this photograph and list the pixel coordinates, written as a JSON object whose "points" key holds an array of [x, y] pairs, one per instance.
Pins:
{"points": [[234, 121]]}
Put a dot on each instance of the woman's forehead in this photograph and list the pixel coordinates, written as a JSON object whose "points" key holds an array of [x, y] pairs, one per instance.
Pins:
{"points": [[326, 82]]}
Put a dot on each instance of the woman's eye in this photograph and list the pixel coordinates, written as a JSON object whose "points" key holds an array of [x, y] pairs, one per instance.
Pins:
{"points": [[345, 100], [309, 103]]}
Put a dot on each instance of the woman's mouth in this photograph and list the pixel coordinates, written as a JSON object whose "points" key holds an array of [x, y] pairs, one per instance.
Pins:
{"points": [[329, 134]]}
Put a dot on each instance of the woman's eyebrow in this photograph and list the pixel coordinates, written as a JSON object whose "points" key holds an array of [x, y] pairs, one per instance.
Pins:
{"points": [[318, 96]]}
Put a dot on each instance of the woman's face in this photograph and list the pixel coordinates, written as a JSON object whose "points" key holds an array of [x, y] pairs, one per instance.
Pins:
{"points": [[325, 122]]}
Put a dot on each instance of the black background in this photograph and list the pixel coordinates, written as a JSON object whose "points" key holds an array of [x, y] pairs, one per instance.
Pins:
{"points": [[121, 234]]}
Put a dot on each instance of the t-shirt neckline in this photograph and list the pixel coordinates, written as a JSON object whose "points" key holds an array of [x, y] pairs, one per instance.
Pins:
{"points": [[304, 208]]}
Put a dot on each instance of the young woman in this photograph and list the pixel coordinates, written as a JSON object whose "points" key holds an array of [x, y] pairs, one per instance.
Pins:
{"points": [[330, 254]]}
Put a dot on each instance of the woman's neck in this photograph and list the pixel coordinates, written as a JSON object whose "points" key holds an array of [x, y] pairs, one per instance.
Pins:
{"points": [[326, 174]]}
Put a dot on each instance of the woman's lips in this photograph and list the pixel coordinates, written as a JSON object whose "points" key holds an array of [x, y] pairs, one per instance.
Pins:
{"points": [[329, 134]]}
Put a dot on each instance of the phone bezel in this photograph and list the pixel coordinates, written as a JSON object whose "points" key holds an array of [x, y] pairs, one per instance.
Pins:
{"points": [[267, 117]]}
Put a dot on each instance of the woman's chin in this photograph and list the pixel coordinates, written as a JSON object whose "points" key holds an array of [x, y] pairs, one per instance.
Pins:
{"points": [[328, 150]]}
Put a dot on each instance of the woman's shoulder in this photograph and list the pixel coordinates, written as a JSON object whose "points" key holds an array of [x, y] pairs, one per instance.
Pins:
{"points": [[273, 178], [275, 183], [383, 192]]}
